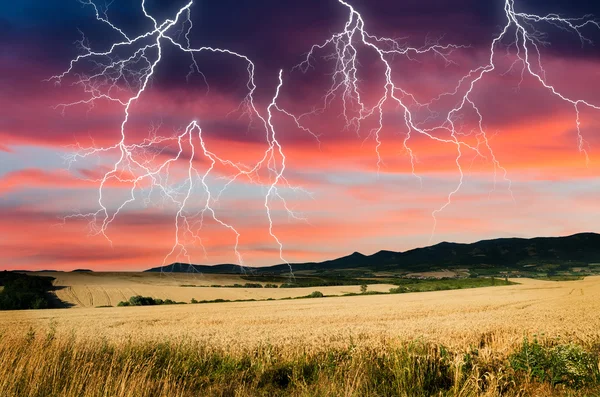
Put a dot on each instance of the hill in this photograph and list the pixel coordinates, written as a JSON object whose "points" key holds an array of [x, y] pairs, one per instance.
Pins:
{"points": [[541, 256]]}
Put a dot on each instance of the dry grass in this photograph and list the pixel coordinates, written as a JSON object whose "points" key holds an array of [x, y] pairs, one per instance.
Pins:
{"points": [[439, 274], [51, 365]]}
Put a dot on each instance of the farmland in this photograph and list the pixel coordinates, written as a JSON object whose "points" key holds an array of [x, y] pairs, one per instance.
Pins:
{"points": [[470, 338], [454, 318], [82, 290]]}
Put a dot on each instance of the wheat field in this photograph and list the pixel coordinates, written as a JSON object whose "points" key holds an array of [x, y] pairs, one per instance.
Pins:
{"points": [[503, 314], [108, 289], [471, 342]]}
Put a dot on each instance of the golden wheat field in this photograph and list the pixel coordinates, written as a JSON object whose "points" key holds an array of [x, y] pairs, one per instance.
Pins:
{"points": [[469, 342], [502, 314], [108, 289]]}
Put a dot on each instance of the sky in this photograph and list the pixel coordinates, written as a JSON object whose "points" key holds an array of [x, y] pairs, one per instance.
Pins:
{"points": [[345, 189]]}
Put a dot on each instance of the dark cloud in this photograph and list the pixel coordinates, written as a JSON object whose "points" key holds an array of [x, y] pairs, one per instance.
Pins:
{"points": [[274, 33]]}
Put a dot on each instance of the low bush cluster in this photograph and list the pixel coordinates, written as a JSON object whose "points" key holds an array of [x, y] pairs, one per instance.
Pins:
{"points": [[147, 301], [565, 364]]}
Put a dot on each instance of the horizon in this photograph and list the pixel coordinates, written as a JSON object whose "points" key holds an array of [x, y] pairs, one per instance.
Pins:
{"points": [[76, 191], [146, 269]]}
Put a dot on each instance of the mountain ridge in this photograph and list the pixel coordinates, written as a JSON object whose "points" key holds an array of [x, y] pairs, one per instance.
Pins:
{"points": [[512, 253]]}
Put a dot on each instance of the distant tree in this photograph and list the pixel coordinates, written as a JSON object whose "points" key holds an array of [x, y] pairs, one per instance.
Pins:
{"points": [[24, 291], [363, 288]]}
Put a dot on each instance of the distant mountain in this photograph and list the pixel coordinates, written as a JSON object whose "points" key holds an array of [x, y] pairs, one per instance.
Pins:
{"points": [[510, 254]]}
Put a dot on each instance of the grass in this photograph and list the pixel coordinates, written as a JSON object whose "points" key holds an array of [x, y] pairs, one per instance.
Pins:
{"points": [[51, 365], [563, 278], [312, 281], [415, 285]]}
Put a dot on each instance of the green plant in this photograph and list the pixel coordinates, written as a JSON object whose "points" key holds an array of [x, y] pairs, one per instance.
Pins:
{"points": [[562, 364], [139, 300]]}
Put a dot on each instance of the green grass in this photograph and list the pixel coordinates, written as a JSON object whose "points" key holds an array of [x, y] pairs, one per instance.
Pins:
{"points": [[312, 281], [563, 278], [565, 364], [52, 366], [415, 285]]}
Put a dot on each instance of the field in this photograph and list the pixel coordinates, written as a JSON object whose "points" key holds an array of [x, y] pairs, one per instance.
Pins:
{"points": [[465, 340], [108, 289], [453, 318]]}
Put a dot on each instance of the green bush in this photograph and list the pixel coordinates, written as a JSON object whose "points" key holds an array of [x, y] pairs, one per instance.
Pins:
{"points": [[139, 300], [315, 294], [398, 290], [252, 285], [567, 364]]}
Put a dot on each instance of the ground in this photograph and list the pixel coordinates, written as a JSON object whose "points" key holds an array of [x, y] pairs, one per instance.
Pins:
{"points": [[460, 318]]}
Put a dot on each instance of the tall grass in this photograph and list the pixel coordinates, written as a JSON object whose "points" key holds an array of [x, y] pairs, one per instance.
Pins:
{"points": [[47, 365]]}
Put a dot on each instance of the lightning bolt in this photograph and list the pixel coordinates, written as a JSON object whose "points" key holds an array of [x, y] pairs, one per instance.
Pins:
{"points": [[122, 73], [519, 33], [123, 79]]}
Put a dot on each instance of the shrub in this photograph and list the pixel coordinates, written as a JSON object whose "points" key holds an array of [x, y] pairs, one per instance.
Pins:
{"points": [[315, 294], [139, 300], [563, 364], [363, 288]]}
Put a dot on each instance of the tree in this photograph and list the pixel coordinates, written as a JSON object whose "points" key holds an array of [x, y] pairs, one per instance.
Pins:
{"points": [[363, 288]]}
